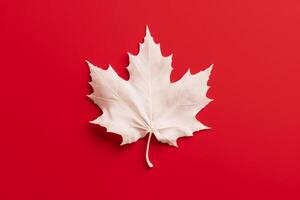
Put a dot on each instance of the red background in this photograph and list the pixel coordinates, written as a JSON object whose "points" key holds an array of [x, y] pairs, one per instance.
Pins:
{"points": [[48, 150]]}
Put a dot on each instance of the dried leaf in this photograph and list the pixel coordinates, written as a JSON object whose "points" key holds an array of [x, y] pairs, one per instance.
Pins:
{"points": [[148, 103]]}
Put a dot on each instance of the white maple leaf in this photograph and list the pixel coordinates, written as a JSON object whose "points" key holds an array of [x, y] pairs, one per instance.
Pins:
{"points": [[148, 103]]}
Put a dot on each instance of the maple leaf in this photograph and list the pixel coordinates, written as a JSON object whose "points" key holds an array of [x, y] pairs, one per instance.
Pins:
{"points": [[148, 103]]}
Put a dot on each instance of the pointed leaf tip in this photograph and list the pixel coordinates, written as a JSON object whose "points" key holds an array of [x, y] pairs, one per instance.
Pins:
{"points": [[87, 62], [189, 71], [210, 68], [90, 65], [148, 34], [93, 122]]}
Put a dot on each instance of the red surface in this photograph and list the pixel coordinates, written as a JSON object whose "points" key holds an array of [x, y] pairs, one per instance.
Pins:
{"points": [[48, 150]]}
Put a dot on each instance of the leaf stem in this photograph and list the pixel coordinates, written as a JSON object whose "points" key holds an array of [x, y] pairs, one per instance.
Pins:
{"points": [[147, 151]]}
